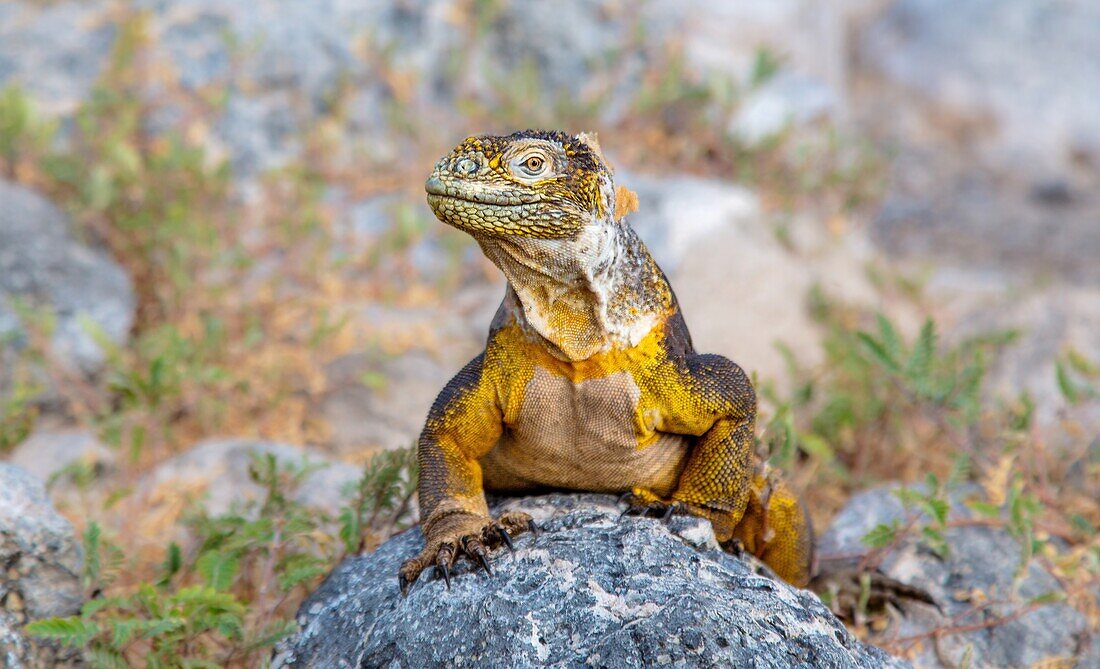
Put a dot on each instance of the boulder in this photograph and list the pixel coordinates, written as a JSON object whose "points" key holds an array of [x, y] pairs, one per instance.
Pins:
{"points": [[216, 472], [41, 562], [1021, 66], [43, 265], [990, 105], [47, 453], [591, 588], [1051, 322], [742, 276], [982, 564], [388, 413]]}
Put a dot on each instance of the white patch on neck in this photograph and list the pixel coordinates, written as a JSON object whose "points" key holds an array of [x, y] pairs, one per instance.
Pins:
{"points": [[587, 271]]}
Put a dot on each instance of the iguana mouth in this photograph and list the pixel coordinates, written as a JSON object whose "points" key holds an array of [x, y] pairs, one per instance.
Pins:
{"points": [[436, 198], [439, 190]]}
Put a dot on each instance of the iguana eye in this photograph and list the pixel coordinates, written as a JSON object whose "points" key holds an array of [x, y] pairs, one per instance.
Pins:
{"points": [[533, 165]]}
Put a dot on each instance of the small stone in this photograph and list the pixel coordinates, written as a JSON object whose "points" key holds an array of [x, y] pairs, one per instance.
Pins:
{"points": [[44, 265]]}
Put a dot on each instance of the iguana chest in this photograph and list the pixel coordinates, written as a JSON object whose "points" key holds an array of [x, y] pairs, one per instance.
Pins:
{"points": [[595, 434]]}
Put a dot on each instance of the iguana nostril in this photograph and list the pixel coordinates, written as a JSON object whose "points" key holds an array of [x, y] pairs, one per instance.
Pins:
{"points": [[467, 166]]}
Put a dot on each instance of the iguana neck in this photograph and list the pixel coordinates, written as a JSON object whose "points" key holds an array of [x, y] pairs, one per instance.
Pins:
{"points": [[585, 295]]}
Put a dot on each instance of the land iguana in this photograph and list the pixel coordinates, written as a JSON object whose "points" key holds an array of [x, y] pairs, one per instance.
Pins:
{"points": [[589, 380]]}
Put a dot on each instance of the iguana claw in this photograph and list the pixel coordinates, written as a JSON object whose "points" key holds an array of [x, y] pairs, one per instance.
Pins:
{"points": [[506, 539], [647, 505], [463, 534]]}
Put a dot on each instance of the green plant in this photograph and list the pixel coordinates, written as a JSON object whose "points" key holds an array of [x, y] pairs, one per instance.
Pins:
{"points": [[380, 500], [194, 613], [23, 133], [1076, 376], [18, 412]]}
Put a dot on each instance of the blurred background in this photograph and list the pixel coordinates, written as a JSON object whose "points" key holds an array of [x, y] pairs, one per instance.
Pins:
{"points": [[214, 243]]}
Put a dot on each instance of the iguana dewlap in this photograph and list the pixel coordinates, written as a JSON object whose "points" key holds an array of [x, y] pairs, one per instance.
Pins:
{"points": [[589, 380]]}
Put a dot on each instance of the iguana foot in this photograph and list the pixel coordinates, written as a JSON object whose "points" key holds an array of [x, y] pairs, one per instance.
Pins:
{"points": [[643, 503], [463, 534]]}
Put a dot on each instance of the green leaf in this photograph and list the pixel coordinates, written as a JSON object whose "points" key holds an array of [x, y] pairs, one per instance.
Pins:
{"points": [[1082, 364], [816, 445], [881, 535], [1066, 385], [199, 599], [218, 569], [937, 508], [1052, 597], [1081, 524], [270, 635], [960, 470], [304, 570], [985, 508], [890, 339], [880, 353], [92, 563], [72, 631], [935, 540], [100, 656], [173, 560], [919, 366]]}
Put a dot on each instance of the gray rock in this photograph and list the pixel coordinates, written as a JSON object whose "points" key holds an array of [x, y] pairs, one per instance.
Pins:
{"points": [[387, 415], [1050, 321], [47, 452], [980, 558], [41, 562], [676, 212], [413, 241], [716, 243], [55, 51], [217, 472], [991, 104], [1026, 65], [590, 589], [286, 62], [788, 100], [44, 265]]}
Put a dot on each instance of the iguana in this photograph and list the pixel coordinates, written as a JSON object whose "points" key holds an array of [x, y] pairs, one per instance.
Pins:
{"points": [[589, 380]]}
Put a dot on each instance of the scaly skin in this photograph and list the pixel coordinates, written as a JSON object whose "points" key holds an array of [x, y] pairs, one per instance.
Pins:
{"points": [[589, 380]]}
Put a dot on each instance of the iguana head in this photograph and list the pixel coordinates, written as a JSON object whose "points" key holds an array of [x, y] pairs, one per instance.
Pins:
{"points": [[534, 184], [542, 206]]}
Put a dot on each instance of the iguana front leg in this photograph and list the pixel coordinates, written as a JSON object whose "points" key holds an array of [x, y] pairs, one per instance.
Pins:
{"points": [[463, 424], [714, 400]]}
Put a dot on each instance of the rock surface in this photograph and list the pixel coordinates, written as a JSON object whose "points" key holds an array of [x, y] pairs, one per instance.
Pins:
{"points": [[591, 588], [284, 64], [216, 472], [48, 452], [996, 133], [43, 265], [1050, 321], [41, 561], [742, 285], [982, 562]]}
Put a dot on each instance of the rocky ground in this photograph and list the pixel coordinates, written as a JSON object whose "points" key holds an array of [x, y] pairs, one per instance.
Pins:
{"points": [[979, 186]]}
